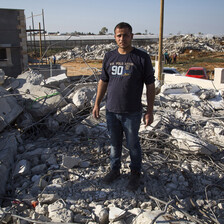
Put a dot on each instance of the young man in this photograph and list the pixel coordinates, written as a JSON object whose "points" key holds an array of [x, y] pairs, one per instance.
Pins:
{"points": [[124, 72]]}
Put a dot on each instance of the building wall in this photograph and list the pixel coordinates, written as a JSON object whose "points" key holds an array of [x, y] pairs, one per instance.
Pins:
{"points": [[13, 41], [217, 83]]}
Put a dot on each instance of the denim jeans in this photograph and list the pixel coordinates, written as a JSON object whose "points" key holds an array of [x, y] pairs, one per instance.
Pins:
{"points": [[127, 123]]}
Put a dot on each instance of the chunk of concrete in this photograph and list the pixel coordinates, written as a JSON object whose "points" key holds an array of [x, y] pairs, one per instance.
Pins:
{"points": [[179, 88], [66, 113], [217, 102], [8, 148], [2, 76], [55, 80], [190, 143], [116, 213], [48, 198], [31, 77], [9, 109], [147, 217], [83, 96], [70, 161], [22, 168], [42, 100], [58, 212]]}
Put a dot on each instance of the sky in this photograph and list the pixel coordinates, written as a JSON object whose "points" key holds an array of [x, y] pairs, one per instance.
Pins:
{"points": [[180, 16]]}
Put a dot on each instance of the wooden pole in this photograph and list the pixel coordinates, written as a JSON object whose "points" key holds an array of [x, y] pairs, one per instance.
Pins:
{"points": [[31, 42], [40, 42], [160, 77], [33, 35], [44, 30]]}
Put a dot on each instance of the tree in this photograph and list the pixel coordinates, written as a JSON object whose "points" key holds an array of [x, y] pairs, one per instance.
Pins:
{"points": [[103, 31]]}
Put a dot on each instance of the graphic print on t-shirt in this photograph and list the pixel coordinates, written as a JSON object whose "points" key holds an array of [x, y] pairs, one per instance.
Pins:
{"points": [[121, 68]]}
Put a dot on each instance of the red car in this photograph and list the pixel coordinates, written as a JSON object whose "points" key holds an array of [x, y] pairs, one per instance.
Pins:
{"points": [[197, 72]]}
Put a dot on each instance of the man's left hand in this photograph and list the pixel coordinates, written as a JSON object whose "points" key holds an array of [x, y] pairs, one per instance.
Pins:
{"points": [[148, 118]]}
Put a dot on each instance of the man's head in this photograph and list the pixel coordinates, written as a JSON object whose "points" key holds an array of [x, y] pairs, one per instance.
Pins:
{"points": [[123, 36], [123, 25]]}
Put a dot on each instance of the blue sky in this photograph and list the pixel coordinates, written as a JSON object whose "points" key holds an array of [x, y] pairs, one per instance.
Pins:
{"points": [[180, 16]]}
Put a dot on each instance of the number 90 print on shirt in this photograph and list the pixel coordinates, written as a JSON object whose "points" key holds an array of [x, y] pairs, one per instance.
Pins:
{"points": [[123, 69]]}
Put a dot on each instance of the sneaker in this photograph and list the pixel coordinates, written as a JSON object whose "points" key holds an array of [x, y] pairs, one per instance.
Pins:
{"points": [[111, 176], [134, 181]]}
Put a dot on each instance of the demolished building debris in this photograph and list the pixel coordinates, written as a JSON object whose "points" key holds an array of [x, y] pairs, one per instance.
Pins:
{"points": [[174, 44], [53, 155]]}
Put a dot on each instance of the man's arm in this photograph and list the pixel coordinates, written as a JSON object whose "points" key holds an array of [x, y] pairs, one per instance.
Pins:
{"points": [[101, 90], [150, 94]]}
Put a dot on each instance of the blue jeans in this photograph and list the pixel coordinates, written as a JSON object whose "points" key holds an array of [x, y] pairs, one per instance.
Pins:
{"points": [[127, 123]]}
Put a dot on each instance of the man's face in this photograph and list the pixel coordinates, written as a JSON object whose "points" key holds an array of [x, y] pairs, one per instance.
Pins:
{"points": [[123, 38]]}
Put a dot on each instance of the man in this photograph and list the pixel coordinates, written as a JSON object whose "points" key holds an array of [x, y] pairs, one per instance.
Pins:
{"points": [[124, 72]]}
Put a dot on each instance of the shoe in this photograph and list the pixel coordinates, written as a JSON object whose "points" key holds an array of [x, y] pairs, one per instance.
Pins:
{"points": [[134, 180], [111, 176]]}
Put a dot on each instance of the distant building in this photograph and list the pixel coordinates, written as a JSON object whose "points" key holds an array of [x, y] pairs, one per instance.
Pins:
{"points": [[13, 41]]}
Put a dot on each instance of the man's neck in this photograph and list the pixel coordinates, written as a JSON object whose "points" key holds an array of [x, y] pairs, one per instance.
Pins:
{"points": [[125, 51]]}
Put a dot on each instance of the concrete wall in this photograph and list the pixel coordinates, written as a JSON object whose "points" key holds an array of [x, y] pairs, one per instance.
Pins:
{"points": [[217, 83], [83, 42], [13, 39], [47, 70]]}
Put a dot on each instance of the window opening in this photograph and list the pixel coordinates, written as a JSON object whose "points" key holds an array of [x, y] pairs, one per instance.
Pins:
{"points": [[3, 54]]}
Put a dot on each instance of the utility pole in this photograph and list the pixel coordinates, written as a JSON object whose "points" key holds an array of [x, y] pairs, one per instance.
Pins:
{"points": [[40, 42], [44, 30], [33, 34], [160, 77]]}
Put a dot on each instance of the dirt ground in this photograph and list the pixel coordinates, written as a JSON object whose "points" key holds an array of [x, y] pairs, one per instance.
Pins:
{"points": [[81, 67], [184, 61], [208, 60]]}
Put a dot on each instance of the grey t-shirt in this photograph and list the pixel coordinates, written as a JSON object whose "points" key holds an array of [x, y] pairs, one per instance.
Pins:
{"points": [[126, 74]]}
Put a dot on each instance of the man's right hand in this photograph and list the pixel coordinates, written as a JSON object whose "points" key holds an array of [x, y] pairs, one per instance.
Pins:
{"points": [[101, 90]]}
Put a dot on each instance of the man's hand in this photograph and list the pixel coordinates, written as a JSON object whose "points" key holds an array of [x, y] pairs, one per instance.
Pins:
{"points": [[101, 90], [150, 94], [148, 118], [96, 112]]}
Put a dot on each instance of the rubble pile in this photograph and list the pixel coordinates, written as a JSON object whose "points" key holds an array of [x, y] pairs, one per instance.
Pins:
{"points": [[178, 44], [175, 44], [87, 52], [54, 154]]}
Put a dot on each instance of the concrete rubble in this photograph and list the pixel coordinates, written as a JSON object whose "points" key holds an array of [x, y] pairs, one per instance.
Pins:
{"points": [[174, 44], [53, 155]]}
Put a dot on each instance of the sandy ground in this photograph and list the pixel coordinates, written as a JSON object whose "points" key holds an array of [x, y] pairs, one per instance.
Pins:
{"points": [[184, 61], [80, 67]]}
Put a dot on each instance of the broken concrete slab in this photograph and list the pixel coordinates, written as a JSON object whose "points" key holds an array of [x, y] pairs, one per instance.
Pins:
{"points": [[148, 216], [83, 96], [70, 161], [9, 109], [184, 88], [217, 102], [213, 131], [22, 168], [55, 80], [190, 143], [8, 149], [115, 213], [30, 77], [41, 100], [48, 198], [66, 113], [59, 213], [2, 76]]}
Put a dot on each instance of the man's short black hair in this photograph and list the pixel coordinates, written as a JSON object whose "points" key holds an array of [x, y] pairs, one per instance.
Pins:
{"points": [[123, 25]]}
